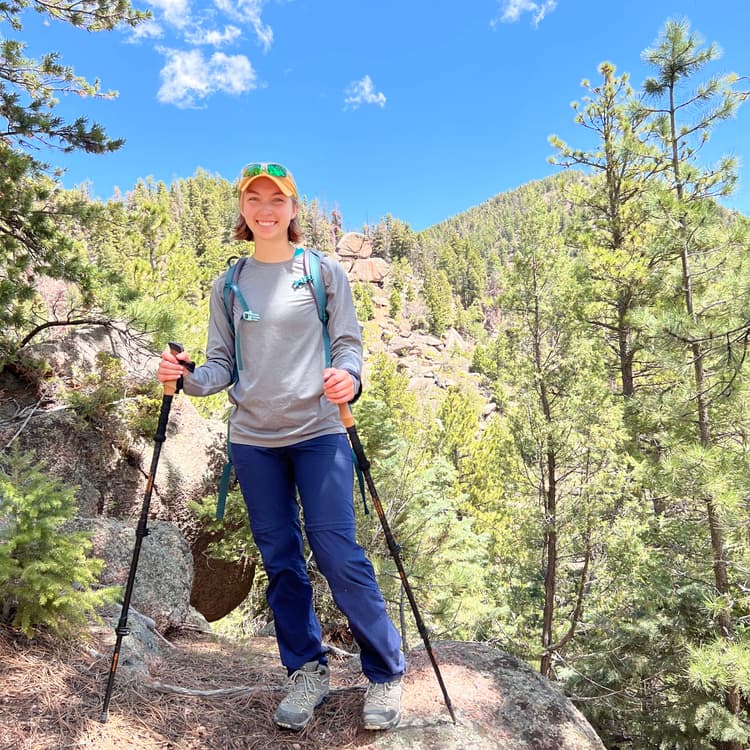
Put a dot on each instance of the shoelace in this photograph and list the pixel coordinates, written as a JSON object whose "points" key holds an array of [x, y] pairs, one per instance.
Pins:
{"points": [[303, 682], [377, 693]]}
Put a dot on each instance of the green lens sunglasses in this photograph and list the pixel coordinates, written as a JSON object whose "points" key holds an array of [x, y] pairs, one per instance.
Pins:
{"points": [[274, 170]]}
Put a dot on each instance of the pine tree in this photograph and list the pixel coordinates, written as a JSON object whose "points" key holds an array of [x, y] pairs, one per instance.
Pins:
{"points": [[439, 299], [34, 213], [695, 313], [565, 423], [46, 576], [613, 243]]}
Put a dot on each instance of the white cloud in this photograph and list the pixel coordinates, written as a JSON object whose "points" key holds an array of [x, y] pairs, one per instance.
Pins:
{"points": [[189, 77], [248, 11], [146, 30], [363, 92], [213, 37], [511, 10], [175, 12]]}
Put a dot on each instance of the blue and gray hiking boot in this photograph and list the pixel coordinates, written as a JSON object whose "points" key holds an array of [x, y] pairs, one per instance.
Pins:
{"points": [[308, 688], [382, 705]]}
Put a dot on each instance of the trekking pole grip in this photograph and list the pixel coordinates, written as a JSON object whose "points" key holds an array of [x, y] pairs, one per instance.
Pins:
{"points": [[173, 386], [347, 418]]}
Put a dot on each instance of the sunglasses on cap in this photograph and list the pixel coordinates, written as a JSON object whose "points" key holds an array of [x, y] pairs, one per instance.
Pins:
{"points": [[276, 172], [273, 170]]}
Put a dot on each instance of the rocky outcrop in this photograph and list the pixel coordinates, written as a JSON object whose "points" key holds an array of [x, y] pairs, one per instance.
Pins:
{"points": [[110, 467], [354, 251], [500, 703], [371, 270], [164, 574], [354, 245]]}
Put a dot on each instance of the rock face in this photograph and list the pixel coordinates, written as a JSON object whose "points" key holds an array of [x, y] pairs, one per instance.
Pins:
{"points": [[500, 703], [165, 567], [371, 270], [160, 600], [354, 245], [111, 473]]}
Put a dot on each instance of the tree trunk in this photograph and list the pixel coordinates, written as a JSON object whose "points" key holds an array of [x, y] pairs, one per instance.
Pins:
{"points": [[550, 564]]}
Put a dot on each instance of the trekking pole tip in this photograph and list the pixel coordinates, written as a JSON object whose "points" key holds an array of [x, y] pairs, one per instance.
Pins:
{"points": [[103, 718]]}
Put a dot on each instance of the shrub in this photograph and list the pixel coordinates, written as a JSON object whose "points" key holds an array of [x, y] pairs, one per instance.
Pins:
{"points": [[46, 576]]}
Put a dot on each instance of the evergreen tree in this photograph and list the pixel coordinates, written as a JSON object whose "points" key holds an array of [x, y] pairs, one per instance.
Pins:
{"points": [[394, 240], [565, 423], [439, 299], [464, 268], [33, 211], [614, 243], [46, 576], [695, 312]]}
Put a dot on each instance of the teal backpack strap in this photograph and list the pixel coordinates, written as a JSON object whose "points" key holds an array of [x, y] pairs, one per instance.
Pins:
{"points": [[314, 277], [232, 292], [311, 261]]}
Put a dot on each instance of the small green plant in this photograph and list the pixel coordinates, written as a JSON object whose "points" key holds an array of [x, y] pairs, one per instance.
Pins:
{"points": [[99, 390], [46, 576], [363, 302], [395, 303], [108, 391]]}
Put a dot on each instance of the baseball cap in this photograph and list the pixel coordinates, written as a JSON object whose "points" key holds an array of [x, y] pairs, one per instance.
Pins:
{"points": [[276, 172]]}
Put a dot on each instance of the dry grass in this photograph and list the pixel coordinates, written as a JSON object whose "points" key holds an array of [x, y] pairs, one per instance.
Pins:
{"points": [[52, 696], [52, 699]]}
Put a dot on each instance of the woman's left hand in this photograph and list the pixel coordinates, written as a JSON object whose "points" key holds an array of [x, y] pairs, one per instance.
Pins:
{"points": [[338, 385]]}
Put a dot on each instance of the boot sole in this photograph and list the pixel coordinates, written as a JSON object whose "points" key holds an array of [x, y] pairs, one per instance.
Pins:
{"points": [[382, 727], [299, 727]]}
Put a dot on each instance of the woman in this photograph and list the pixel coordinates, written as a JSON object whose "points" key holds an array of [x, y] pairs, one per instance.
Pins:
{"points": [[285, 433]]}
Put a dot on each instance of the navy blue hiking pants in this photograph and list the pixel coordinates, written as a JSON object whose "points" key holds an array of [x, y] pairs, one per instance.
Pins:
{"points": [[322, 470]]}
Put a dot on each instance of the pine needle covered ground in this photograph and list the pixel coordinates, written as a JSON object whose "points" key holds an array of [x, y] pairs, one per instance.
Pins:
{"points": [[52, 692]]}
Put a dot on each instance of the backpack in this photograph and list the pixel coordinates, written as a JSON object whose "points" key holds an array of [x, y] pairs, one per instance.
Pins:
{"points": [[313, 277]]}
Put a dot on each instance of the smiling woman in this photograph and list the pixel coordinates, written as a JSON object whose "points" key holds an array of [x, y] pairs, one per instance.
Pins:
{"points": [[287, 438], [271, 186]]}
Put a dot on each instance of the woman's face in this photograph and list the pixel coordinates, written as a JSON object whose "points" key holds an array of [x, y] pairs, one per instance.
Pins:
{"points": [[266, 210]]}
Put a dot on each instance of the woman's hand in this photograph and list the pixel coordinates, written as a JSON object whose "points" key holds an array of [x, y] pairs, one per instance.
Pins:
{"points": [[338, 385], [170, 366]]}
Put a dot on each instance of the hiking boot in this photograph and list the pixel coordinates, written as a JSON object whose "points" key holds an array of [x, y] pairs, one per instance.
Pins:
{"points": [[308, 688], [382, 705]]}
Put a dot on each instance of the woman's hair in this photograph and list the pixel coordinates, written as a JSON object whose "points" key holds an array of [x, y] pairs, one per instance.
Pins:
{"points": [[242, 231]]}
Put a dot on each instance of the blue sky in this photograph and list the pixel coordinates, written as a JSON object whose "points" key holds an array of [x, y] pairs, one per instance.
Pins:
{"points": [[420, 109]]}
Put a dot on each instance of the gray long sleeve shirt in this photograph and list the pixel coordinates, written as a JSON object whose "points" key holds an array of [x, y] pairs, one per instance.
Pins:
{"points": [[278, 398]]}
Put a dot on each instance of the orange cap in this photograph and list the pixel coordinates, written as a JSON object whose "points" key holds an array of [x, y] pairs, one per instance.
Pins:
{"points": [[278, 173]]}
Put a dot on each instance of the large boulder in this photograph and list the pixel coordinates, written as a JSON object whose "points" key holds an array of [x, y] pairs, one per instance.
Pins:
{"points": [[371, 270], [354, 245], [499, 702], [164, 573]]}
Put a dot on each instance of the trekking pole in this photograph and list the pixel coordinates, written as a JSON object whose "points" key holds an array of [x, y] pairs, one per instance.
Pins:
{"points": [[348, 419], [170, 388]]}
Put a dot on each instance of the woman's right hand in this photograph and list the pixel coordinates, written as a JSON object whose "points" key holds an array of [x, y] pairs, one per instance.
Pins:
{"points": [[170, 366]]}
